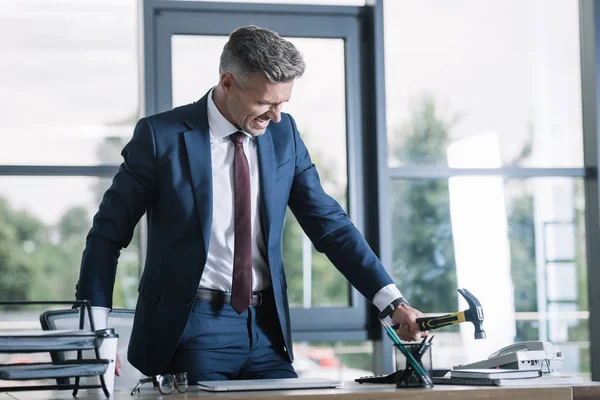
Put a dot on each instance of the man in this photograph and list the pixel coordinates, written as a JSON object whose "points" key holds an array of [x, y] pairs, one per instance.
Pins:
{"points": [[215, 178]]}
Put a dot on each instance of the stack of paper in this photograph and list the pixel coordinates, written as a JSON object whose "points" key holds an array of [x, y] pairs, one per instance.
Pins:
{"points": [[506, 377], [495, 373]]}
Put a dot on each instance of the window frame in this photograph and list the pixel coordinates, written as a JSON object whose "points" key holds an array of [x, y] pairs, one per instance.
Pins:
{"points": [[589, 13], [367, 152], [163, 19]]}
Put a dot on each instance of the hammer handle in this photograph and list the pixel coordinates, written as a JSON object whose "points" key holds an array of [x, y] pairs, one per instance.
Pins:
{"points": [[428, 323]]}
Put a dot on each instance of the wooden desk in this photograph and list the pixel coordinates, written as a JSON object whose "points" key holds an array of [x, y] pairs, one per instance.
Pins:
{"points": [[350, 391]]}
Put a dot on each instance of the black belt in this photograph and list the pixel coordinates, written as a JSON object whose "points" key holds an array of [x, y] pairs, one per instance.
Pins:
{"points": [[217, 296]]}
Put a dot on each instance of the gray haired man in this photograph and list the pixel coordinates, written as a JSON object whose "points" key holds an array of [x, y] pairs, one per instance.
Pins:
{"points": [[215, 178]]}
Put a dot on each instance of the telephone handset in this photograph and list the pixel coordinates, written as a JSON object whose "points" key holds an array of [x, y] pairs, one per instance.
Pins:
{"points": [[523, 355]]}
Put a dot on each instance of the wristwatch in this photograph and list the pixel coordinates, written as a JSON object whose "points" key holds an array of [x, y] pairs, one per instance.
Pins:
{"points": [[386, 312]]}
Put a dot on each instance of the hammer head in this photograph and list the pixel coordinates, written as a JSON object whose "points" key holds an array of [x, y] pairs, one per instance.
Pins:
{"points": [[474, 314]]}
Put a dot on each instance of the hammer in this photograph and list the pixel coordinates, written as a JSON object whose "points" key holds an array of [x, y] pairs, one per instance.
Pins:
{"points": [[474, 314]]}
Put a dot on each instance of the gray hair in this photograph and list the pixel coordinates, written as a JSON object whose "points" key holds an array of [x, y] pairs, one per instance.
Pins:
{"points": [[251, 49]]}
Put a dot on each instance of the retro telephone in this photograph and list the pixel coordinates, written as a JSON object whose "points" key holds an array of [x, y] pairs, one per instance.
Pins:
{"points": [[533, 354], [529, 355]]}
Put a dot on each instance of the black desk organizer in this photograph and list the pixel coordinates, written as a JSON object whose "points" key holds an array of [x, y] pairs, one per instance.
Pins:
{"points": [[58, 340], [417, 373]]}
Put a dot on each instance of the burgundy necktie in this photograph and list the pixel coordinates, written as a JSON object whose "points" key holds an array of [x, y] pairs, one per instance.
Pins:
{"points": [[241, 287]]}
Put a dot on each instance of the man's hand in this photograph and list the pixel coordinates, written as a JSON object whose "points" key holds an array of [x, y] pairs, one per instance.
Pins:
{"points": [[118, 366], [406, 317]]}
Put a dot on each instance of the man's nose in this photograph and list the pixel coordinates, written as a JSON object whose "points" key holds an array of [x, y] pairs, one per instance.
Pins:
{"points": [[275, 113]]}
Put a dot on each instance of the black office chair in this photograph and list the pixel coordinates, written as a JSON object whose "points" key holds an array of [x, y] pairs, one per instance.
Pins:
{"points": [[119, 319]]}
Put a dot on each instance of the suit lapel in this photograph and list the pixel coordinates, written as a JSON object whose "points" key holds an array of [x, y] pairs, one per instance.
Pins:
{"points": [[197, 143], [266, 162]]}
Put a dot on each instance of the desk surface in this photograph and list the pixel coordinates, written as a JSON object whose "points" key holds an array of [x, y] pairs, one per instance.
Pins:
{"points": [[350, 391]]}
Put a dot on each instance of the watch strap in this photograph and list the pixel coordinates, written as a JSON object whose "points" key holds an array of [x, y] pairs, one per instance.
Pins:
{"points": [[386, 312]]}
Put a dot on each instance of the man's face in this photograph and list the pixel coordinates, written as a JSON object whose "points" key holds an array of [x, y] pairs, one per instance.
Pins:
{"points": [[253, 105]]}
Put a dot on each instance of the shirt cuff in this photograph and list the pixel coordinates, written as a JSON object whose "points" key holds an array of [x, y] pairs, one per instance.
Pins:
{"points": [[100, 316], [385, 296]]}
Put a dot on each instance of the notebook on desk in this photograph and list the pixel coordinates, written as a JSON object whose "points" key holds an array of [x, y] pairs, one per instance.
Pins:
{"points": [[268, 384], [546, 380], [495, 373]]}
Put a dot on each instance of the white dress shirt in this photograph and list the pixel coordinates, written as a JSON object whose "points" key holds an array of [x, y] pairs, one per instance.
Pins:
{"points": [[218, 270]]}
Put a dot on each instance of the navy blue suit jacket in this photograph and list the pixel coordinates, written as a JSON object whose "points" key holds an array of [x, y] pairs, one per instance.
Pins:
{"points": [[166, 173]]}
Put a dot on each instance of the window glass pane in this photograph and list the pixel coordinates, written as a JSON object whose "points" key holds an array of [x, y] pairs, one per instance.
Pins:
{"points": [[43, 226], [489, 235], [316, 2], [15, 319], [312, 280], [513, 87], [345, 361], [69, 79]]}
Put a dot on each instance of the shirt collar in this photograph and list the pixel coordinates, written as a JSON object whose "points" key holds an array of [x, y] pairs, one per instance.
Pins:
{"points": [[220, 127]]}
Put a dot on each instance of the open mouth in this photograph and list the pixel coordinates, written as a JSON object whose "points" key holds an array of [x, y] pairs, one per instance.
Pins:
{"points": [[262, 122]]}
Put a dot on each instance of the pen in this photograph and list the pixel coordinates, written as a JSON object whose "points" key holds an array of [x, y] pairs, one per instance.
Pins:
{"points": [[424, 344], [409, 357]]}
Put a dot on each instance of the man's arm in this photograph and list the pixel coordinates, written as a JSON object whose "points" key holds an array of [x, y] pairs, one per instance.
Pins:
{"points": [[134, 187], [330, 230], [332, 233]]}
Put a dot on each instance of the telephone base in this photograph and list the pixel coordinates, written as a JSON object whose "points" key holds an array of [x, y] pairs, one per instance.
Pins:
{"points": [[529, 355]]}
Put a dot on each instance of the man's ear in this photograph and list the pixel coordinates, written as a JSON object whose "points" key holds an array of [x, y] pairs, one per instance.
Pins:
{"points": [[227, 82]]}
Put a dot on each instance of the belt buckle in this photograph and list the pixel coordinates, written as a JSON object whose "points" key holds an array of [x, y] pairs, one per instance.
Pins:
{"points": [[259, 295]]}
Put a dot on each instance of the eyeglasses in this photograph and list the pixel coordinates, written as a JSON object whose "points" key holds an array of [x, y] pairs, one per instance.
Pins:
{"points": [[166, 383]]}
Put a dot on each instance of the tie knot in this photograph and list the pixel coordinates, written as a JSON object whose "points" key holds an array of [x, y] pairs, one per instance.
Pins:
{"points": [[237, 137]]}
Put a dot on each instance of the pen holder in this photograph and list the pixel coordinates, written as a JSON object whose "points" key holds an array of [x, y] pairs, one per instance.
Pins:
{"points": [[406, 375]]}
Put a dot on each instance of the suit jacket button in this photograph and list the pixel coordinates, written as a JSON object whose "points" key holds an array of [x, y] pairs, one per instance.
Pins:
{"points": [[285, 349], [190, 303]]}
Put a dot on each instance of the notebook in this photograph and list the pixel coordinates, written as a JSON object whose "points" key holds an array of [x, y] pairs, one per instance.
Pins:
{"points": [[495, 373], [268, 384], [546, 380]]}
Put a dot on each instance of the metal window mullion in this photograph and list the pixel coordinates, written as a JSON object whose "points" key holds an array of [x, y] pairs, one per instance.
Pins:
{"points": [[272, 10], [192, 18], [378, 178], [589, 14], [435, 172], [58, 170]]}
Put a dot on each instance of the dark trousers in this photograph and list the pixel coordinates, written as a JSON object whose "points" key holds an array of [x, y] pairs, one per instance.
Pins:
{"points": [[219, 344]]}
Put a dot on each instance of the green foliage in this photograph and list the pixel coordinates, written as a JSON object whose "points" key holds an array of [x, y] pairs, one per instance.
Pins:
{"points": [[41, 262], [521, 234], [74, 225], [424, 139], [15, 271], [424, 263], [292, 259], [329, 287], [581, 331], [423, 249], [38, 262], [362, 361], [581, 253]]}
